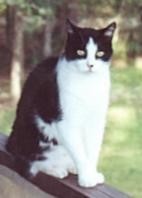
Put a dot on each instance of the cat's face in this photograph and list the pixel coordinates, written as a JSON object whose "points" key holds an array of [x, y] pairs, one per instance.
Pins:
{"points": [[89, 49]]}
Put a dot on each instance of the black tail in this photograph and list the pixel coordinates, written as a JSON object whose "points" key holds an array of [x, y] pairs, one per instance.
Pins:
{"points": [[20, 164]]}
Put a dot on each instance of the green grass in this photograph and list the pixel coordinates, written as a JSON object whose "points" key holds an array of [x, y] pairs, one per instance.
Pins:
{"points": [[6, 119], [121, 159], [7, 110], [121, 156]]}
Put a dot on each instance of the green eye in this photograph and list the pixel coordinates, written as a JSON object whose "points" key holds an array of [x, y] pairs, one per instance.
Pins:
{"points": [[80, 52], [100, 54]]}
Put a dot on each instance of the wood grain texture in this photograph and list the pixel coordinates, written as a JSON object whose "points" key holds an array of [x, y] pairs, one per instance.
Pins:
{"points": [[12, 186]]}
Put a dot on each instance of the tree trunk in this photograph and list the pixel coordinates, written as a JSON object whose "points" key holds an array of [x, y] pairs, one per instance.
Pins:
{"points": [[17, 55], [47, 45], [55, 30], [10, 17]]}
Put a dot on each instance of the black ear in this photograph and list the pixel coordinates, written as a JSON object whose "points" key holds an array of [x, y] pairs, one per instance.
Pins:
{"points": [[71, 28], [109, 30]]}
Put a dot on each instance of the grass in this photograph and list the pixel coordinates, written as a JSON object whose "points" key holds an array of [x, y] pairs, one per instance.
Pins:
{"points": [[122, 149], [6, 119], [7, 110], [121, 157]]}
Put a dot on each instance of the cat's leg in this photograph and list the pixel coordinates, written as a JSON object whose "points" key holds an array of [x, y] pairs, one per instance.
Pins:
{"points": [[74, 144], [93, 141], [57, 163], [92, 151]]}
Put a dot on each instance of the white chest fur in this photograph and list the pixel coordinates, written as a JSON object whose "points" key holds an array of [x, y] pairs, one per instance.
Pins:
{"points": [[84, 88], [83, 93], [84, 99]]}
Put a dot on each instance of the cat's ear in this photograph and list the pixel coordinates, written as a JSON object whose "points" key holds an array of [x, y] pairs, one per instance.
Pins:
{"points": [[71, 28], [109, 30]]}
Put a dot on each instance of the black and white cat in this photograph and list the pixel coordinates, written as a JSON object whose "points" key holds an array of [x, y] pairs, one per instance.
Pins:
{"points": [[61, 115]]}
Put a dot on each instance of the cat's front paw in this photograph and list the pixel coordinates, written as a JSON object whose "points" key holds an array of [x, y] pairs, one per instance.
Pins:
{"points": [[91, 180], [73, 170], [59, 173], [100, 178]]}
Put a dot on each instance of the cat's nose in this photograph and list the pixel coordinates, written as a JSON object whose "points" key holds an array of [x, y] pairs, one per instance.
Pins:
{"points": [[90, 66]]}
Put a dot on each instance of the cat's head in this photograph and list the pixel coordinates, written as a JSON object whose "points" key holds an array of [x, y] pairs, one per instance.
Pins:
{"points": [[88, 48]]}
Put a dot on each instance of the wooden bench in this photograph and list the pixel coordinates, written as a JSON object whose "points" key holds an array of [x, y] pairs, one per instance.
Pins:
{"points": [[52, 187]]}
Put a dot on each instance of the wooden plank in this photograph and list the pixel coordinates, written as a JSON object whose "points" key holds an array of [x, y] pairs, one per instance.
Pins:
{"points": [[67, 187], [12, 185], [62, 188], [109, 190]]}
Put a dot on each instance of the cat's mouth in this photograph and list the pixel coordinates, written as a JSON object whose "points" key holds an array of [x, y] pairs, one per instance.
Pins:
{"points": [[90, 67], [90, 70]]}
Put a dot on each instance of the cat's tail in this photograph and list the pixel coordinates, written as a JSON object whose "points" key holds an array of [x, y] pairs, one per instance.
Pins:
{"points": [[22, 166], [19, 163]]}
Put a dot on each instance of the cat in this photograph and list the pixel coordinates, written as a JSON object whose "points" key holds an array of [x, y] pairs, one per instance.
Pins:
{"points": [[61, 115]]}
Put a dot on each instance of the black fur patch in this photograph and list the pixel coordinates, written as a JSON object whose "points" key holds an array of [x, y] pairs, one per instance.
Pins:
{"points": [[39, 96], [78, 38]]}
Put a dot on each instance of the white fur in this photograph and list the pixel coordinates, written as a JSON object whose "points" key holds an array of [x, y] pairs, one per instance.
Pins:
{"points": [[82, 65], [58, 163], [84, 99]]}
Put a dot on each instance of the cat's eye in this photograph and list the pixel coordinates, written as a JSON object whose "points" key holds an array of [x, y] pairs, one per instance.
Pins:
{"points": [[80, 52], [100, 54]]}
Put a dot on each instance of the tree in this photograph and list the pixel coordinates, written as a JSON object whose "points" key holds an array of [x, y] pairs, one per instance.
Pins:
{"points": [[50, 16], [17, 54], [15, 11]]}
